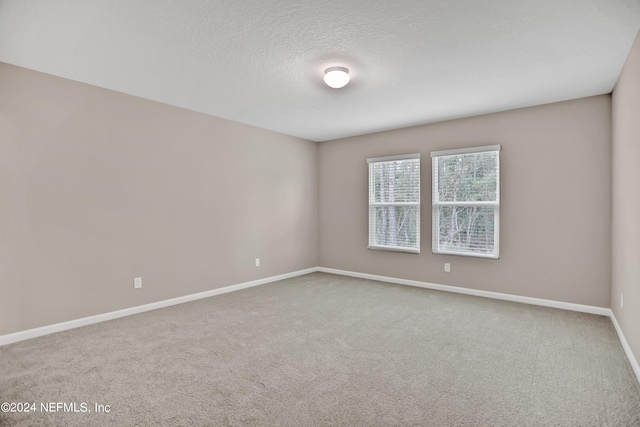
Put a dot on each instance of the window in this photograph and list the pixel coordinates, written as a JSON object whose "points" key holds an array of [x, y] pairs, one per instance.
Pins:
{"points": [[394, 203], [466, 201]]}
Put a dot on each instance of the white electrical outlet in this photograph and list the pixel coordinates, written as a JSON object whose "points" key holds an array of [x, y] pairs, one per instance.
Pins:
{"points": [[137, 283], [257, 262], [447, 267], [621, 301]]}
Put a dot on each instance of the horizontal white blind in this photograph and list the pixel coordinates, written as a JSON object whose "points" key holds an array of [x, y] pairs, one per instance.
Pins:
{"points": [[394, 203], [465, 150], [392, 158], [466, 201]]}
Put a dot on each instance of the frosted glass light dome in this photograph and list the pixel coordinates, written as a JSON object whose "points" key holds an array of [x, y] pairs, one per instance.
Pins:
{"points": [[336, 77]]}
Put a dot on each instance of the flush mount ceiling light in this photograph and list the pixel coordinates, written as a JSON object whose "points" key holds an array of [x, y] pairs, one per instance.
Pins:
{"points": [[336, 77]]}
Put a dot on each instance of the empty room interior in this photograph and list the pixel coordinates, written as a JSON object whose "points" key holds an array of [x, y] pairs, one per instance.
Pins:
{"points": [[320, 213]]}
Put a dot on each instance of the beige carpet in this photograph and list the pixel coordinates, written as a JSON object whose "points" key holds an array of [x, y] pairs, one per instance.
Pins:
{"points": [[326, 350]]}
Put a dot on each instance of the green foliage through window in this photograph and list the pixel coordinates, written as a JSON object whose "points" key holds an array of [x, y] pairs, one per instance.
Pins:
{"points": [[466, 202], [394, 204]]}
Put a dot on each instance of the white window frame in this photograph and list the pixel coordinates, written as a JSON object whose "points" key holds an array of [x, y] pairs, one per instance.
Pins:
{"points": [[373, 204], [436, 204]]}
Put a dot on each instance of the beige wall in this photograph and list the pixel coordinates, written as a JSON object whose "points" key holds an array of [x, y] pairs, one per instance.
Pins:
{"points": [[626, 199], [97, 187], [555, 212]]}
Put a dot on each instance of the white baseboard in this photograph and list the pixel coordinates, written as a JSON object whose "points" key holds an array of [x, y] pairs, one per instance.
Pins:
{"points": [[487, 294], [625, 346], [71, 324]]}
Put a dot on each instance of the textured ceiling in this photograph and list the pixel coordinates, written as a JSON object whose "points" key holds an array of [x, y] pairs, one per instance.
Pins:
{"points": [[261, 62]]}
